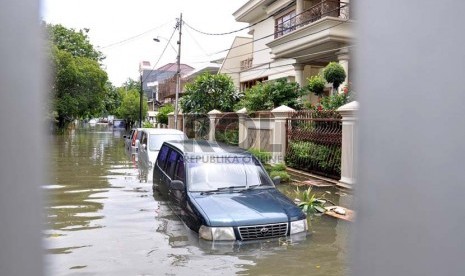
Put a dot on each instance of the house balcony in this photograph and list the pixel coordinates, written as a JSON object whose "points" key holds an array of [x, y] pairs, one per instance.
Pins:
{"points": [[315, 34]]}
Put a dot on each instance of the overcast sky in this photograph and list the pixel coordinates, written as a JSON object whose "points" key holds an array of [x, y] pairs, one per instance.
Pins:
{"points": [[124, 30]]}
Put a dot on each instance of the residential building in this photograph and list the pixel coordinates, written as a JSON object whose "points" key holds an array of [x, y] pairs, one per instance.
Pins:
{"points": [[293, 39], [152, 78], [239, 58], [167, 88]]}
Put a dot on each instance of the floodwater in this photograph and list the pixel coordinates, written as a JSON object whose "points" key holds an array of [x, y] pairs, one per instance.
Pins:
{"points": [[102, 218]]}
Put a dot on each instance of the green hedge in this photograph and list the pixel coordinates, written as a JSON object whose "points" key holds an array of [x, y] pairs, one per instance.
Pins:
{"points": [[314, 157]]}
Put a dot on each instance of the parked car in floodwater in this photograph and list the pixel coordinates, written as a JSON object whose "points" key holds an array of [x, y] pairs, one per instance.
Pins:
{"points": [[224, 193], [151, 141], [131, 141], [118, 123]]}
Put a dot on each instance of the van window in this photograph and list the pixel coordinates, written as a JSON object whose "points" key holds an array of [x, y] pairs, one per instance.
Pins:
{"points": [[171, 163], [180, 174], [144, 138], [162, 157]]}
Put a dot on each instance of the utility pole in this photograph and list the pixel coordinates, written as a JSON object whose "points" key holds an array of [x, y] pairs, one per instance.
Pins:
{"points": [[141, 97], [178, 73]]}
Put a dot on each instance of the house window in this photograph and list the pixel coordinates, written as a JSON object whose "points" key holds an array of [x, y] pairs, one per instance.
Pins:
{"points": [[285, 24], [248, 84]]}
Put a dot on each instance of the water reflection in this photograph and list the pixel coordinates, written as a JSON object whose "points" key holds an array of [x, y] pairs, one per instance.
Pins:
{"points": [[104, 219]]}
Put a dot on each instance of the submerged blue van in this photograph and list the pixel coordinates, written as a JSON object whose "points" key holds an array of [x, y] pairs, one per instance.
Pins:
{"points": [[223, 193]]}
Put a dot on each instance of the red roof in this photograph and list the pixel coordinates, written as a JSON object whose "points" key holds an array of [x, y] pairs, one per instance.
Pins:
{"points": [[172, 67]]}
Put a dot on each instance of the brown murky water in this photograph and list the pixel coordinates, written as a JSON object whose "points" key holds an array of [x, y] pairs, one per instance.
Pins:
{"points": [[104, 219]]}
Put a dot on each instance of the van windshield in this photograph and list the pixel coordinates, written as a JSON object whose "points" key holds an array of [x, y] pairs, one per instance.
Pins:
{"points": [[215, 173]]}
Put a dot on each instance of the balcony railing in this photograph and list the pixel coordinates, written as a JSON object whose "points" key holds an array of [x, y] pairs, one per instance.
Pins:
{"points": [[325, 8]]}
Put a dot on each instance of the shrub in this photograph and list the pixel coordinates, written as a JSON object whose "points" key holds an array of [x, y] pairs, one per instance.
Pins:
{"points": [[147, 124], [316, 85], [279, 167], [335, 74], [228, 136], [162, 116], [269, 95], [263, 156], [279, 170], [285, 177], [309, 155], [309, 202], [334, 101]]}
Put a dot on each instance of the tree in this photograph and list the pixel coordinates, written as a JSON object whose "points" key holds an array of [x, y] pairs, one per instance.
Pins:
{"points": [[112, 99], [209, 92], [80, 85], [269, 95], [129, 108], [335, 74], [162, 116], [74, 42]]}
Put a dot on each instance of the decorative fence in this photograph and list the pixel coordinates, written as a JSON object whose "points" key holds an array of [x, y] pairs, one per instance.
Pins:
{"points": [[321, 143], [227, 128], [259, 129], [196, 126], [314, 142]]}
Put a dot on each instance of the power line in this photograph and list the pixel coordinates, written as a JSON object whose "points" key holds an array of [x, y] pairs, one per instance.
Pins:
{"points": [[309, 20], [227, 33], [161, 55], [135, 36], [288, 28], [266, 48], [241, 29], [197, 43]]}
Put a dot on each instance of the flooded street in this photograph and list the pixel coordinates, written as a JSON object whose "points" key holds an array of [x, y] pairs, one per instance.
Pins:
{"points": [[104, 219]]}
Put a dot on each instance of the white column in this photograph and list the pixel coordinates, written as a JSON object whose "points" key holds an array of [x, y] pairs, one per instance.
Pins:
{"points": [[281, 114], [299, 6], [349, 139], [213, 116], [184, 124], [180, 120], [299, 73], [343, 58], [242, 114], [171, 120]]}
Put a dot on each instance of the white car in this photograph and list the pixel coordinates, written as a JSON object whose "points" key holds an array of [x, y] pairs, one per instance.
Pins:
{"points": [[151, 140], [131, 141]]}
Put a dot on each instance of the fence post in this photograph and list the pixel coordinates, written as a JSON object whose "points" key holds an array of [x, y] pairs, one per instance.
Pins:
{"points": [[349, 140], [180, 120], [281, 114], [171, 120], [242, 115], [184, 123], [213, 115]]}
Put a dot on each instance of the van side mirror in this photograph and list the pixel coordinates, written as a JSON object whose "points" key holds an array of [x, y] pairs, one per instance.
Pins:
{"points": [[176, 185], [277, 180]]}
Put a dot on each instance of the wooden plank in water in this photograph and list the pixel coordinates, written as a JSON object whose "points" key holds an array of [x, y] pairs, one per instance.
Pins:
{"points": [[348, 216]]}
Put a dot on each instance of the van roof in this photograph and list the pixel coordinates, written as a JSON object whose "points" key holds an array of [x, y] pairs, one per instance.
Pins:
{"points": [[191, 147], [162, 131]]}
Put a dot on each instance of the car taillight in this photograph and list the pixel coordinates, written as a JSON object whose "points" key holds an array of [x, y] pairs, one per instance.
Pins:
{"points": [[134, 139]]}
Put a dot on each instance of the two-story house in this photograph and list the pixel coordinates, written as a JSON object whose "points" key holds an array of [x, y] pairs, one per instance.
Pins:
{"points": [[154, 78], [292, 39]]}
